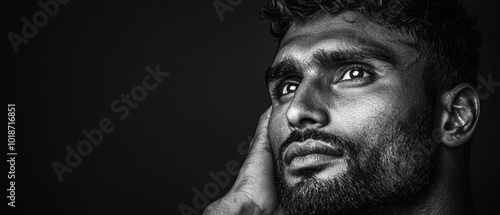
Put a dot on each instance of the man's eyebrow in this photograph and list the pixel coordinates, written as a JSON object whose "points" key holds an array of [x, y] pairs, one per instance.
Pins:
{"points": [[326, 58], [280, 69]]}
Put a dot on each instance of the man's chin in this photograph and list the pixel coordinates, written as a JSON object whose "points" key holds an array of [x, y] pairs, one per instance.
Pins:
{"points": [[315, 192], [327, 171]]}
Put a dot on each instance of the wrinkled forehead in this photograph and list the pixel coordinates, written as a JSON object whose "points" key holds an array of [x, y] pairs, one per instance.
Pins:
{"points": [[347, 30]]}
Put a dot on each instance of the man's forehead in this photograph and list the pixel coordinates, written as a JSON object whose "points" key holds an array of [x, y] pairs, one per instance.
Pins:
{"points": [[322, 22], [346, 31]]}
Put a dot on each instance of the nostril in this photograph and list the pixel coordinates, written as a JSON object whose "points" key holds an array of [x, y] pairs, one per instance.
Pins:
{"points": [[307, 122], [302, 117], [304, 123]]}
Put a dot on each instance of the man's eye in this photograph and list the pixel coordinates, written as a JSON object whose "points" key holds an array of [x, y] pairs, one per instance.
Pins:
{"points": [[288, 87], [355, 72]]}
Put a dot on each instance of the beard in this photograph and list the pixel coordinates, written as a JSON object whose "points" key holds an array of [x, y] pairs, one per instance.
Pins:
{"points": [[391, 163]]}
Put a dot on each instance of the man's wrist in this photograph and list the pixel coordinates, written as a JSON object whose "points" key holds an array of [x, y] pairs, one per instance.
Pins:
{"points": [[234, 206]]}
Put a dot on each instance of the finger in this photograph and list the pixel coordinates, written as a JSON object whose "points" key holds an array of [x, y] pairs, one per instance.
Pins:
{"points": [[261, 131], [259, 158], [256, 176], [254, 187]]}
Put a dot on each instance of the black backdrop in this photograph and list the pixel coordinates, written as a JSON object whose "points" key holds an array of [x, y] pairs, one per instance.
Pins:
{"points": [[65, 78]]}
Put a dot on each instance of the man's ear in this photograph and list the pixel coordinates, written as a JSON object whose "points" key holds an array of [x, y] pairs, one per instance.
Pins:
{"points": [[456, 115]]}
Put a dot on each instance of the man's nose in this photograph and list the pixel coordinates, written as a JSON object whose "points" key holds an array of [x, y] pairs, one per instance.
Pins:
{"points": [[307, 109]]}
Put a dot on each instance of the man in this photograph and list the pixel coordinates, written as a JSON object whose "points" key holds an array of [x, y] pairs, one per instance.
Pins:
{"points": [[373, 109]]}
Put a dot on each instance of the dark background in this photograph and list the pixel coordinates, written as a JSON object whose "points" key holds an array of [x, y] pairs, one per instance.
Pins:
{"points": [[66, 77]]}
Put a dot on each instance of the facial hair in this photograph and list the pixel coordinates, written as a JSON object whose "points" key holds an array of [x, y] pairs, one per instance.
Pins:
{"points": [[394, 164]]}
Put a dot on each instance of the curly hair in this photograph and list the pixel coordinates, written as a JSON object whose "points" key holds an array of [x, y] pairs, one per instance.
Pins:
{"points": [[442, 30]]}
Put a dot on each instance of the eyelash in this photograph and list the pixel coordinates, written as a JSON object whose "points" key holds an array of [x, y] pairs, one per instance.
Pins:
{"points": [[280, 84], [278, 87], [350, 67]]}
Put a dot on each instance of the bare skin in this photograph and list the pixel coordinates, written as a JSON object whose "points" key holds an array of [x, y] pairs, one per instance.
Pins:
{"points": [[254, 191], [335, 100]]}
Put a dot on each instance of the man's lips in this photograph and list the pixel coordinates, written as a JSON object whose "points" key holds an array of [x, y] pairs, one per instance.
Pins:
{"points": [[309, 152]]}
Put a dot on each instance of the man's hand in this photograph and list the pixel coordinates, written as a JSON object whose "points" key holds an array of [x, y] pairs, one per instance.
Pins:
{"points": [[254, 191]]}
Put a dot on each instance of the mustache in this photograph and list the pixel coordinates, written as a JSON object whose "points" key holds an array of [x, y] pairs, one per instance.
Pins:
{"points": [[336, 141]]}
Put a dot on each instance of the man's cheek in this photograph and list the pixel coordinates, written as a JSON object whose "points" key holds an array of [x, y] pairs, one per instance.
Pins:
{"points": [[360, 119]]}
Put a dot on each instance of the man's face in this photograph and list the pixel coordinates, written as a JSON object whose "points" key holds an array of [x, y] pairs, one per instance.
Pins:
{"points": [[350, 123]]}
